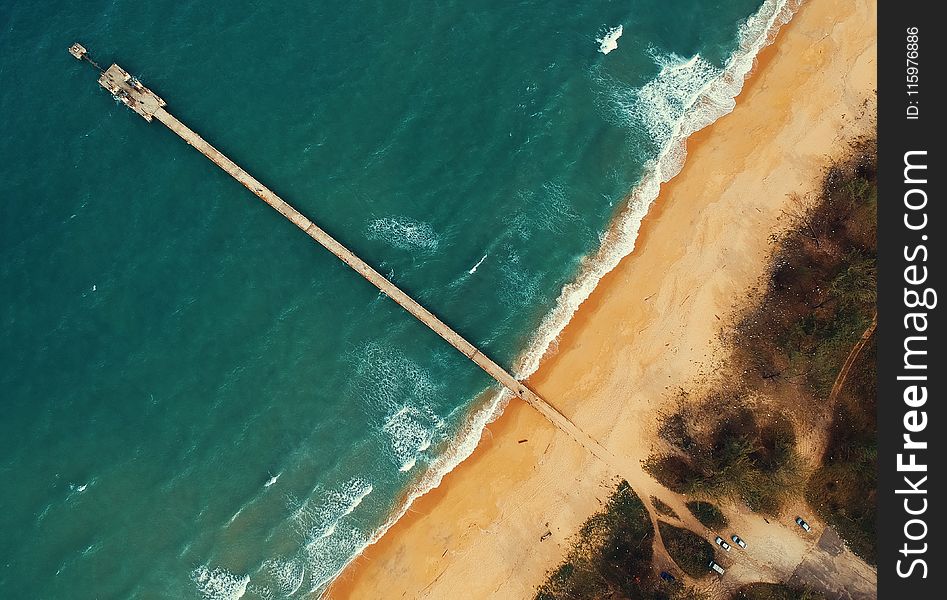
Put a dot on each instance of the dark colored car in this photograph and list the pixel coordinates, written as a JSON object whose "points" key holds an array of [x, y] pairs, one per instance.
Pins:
{"points": [[801, 523]]}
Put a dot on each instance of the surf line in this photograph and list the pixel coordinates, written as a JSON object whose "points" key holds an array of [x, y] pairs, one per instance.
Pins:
{"points": [[147, 104], [474, 268]]}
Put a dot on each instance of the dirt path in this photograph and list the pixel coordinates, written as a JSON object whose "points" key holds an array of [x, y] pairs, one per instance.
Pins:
{"points": [[852, 357], [815, 439], [787, 554], [639, 337], [777, 549]]}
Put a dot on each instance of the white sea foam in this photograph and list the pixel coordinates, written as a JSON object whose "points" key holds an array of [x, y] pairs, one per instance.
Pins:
{"points": [[522, 285], [273, 479], [555, 213], [287, 575], [92, 548], [325, 555], [236, 514], [688, 95], [404, 233], [386, 380], [326, 536], [459, 449], [409, 431], [78, 488], [320, 520], [609, 41], [362, 494], [219, 584], [474, 268]]}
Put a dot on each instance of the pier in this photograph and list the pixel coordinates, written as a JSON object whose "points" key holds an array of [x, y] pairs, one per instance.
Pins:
{"points": [[128, 90]]}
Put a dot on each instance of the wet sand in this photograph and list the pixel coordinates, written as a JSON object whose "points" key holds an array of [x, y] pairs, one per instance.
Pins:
{"points": [[501, 520]]}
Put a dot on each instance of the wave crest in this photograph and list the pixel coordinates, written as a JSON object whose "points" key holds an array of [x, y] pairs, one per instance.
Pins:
{"points": [[404, 234], [686, 96], [609, 41], [219, 584]]}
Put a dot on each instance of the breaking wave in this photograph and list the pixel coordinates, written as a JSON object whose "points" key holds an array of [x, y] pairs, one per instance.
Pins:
{"points": [[459, 449], [404, 234], [687, 95], [219, 584], [403, 393], [609, 41]]}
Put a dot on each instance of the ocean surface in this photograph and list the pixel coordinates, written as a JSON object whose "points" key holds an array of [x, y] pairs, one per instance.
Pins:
{"points": [[198, 401]]}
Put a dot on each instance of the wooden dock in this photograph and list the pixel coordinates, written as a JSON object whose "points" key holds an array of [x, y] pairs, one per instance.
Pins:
{"points": [[149, 106]]}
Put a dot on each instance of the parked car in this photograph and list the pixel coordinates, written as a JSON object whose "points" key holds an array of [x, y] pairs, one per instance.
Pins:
{"points": [[738, 541], [667, 576], [713, 565], [801, 523], [720, 542]]}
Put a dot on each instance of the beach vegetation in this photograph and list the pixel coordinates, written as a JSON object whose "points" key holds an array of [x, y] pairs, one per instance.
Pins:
{"points": [[708, 514], [611, 554], [737, 437], [663, 508], [691, 552], [820, 294], [611, 557], [821, 300], [733, 451], [775, 591], [842, 489]]}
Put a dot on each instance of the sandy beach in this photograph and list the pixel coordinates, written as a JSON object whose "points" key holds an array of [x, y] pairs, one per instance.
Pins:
{"points": [[501, 520]]}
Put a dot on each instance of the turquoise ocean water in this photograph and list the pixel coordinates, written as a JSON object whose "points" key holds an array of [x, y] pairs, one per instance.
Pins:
{"points": [[199, 402]]}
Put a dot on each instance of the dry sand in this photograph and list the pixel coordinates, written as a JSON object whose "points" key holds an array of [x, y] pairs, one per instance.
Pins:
{"points": [[650, 327]]}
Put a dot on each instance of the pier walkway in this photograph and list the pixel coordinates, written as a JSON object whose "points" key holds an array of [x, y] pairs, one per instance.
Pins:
{"points": [[149, 106]]}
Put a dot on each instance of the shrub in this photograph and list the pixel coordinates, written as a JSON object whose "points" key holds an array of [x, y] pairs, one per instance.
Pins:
{"points": [[775, 591], [842, 489], [663, 508], [736, 455], [691, 552], [708, 514], [610, 555]]}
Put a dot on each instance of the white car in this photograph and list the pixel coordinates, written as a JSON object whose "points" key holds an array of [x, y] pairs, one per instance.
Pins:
{"points": [[738, 541], [720, 542], [713, 565], [801, 523]]}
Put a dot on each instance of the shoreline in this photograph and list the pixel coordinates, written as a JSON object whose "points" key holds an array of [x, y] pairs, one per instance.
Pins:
{"points": [[476, 492], [492, 404], [716, 99]]}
